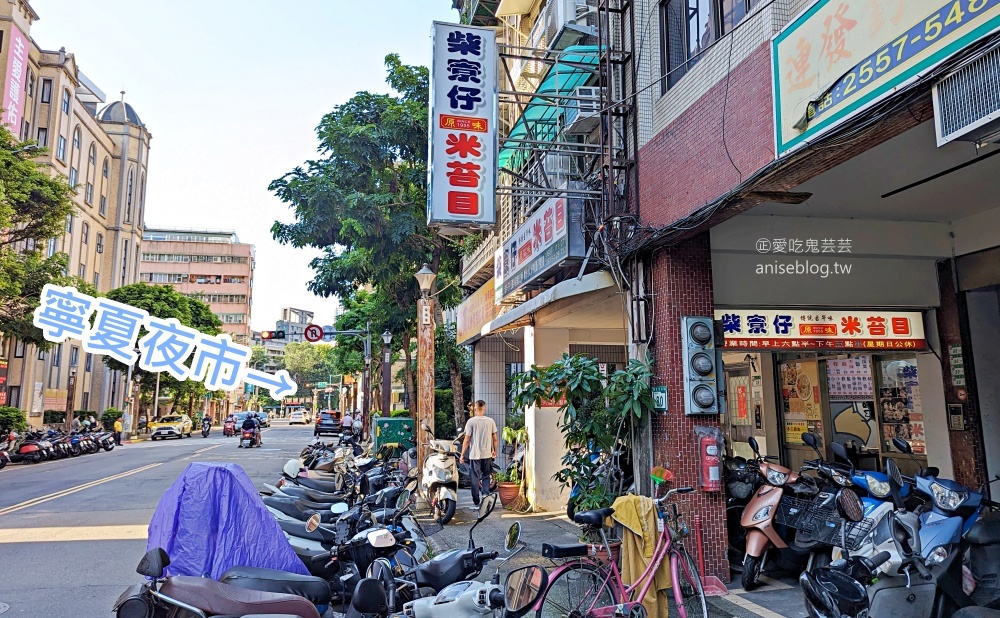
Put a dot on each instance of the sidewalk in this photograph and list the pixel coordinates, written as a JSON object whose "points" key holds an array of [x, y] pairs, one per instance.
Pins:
{"points": [[775, 599]]}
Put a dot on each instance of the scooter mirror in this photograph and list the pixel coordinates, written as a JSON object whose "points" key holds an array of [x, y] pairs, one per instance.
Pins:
{"points": [[902, 446], [839, 452], [312, 523], [850, 505], [892, 470], [753, 445], [486, 506], [513, 536], [523, 588], [403, 499], [338, 508]]}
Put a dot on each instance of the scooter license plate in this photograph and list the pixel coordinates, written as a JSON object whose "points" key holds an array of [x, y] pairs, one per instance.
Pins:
{"points": [[246, 443]]}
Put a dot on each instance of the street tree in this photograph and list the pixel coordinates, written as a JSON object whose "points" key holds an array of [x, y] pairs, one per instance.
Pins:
{"points": [[363, 205], [35, 207]]}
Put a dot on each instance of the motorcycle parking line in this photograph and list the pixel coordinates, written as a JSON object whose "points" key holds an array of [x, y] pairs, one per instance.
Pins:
{"points": [[73, 490]]}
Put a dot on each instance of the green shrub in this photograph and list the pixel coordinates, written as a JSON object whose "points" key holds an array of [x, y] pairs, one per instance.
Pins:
{"points": [[109, 417], [11, 419], [399, 413], [54, 417]]}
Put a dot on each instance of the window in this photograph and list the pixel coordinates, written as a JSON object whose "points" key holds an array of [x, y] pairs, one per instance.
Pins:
{"points": [[51, 250], [19, 349], [76, 139], [46, 91], [128, 195], [82, 271], [92, 157], [65, 102], [88, 362], [106, 168], [85, 233], [25, 130], [57, 355], [97, 280], [88, 195], [124, 260], [31, 84], [69, 224], [74, 356], [72, 176], [43, 136], [100, 242], [104, 205], [85, 401], [14, 396], [41, 354], [61, 149], [689, 27]]}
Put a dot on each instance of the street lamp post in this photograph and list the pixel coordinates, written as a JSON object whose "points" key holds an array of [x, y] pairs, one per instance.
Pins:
{"points": [[386, 372], [425, 361]]}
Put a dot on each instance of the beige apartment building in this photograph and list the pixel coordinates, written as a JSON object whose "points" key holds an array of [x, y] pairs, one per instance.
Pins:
{"points": [[210, 265], [103, 150]]}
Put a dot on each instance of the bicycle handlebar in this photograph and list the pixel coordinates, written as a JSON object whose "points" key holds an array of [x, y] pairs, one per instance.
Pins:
{"points": [[679, 490]]}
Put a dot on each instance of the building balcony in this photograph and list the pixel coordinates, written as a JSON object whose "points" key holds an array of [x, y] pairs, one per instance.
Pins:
{"points": [[477, 267]]}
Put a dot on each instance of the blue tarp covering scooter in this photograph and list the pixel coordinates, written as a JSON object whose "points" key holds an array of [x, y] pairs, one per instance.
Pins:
{"points": [[211, 519]]}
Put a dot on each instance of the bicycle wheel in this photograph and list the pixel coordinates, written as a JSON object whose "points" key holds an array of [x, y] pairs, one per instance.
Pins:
{"points": [[573, 592], [689, 584]]}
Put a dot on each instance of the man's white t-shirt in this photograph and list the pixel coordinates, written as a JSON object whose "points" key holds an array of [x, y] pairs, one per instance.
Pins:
{"points": [[480, 430]]}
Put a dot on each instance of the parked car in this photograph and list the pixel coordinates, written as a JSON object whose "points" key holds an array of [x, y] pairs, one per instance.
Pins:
{"points": [[297, 417], [176, 426], [327, 422]]}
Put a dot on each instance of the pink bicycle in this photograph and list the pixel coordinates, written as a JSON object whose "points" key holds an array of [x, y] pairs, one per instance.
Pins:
{"points": [[587, 588]]}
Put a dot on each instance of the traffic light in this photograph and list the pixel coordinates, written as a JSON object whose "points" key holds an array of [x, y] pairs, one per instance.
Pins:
{"points": [[702, 366], [272, 334]]}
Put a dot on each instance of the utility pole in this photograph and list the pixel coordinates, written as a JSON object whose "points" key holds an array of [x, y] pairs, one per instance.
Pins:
{"points": [[70, 400], [425, 362]]}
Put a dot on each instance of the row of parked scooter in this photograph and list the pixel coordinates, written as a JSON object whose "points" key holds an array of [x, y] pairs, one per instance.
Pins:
{"points": [[348, 516], [38, 446], [875, 543]]}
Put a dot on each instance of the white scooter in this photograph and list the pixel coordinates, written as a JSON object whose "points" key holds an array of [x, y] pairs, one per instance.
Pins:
{"points": [[438, 484], [374, 596]]}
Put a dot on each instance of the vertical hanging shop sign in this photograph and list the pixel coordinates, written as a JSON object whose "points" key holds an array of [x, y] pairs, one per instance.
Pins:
{"points": [[461, 165], [17, 66]]}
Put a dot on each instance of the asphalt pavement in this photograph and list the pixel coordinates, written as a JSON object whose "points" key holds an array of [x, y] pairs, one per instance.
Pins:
{"points": [[72, 531]]}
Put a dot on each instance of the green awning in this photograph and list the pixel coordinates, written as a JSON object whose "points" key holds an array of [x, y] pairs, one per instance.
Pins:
{"points": [[540, 119]]}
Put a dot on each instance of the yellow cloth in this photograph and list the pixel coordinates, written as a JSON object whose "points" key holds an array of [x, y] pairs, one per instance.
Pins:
{"points": [[118, 425], [637, 515]]}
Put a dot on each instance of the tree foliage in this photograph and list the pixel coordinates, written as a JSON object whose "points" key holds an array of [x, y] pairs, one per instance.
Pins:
{"points": [[34, 207], [362, 203], [309, 363], [11, 419]]}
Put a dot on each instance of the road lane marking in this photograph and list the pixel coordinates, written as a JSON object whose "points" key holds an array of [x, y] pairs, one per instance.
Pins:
{"points": [[207, 448], [746, 604], [73, 490], [64, 534]]}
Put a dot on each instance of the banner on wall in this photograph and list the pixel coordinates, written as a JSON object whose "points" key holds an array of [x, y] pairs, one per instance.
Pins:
{"points": [[858, 329], [840, 57]]}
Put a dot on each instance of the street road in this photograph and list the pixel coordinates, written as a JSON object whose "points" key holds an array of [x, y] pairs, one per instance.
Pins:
{"points": [[73, 531]]}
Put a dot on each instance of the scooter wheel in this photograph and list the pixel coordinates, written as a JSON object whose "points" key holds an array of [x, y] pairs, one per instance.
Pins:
{"points": [[447, 509], [751, 572]]}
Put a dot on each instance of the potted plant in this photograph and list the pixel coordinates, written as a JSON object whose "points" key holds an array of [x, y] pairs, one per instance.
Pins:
{"points": [[599, 415]]}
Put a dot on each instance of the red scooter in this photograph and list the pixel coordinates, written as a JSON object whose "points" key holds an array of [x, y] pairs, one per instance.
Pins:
{"points": [[229, 428]]}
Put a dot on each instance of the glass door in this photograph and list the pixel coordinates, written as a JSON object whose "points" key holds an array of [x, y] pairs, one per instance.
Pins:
{"points": [[739, 418]]}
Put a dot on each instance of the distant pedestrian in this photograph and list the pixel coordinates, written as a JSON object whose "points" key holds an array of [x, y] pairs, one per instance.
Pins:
{"points": [[118, 431], [93, 421], [76, 423], [481, 442]]}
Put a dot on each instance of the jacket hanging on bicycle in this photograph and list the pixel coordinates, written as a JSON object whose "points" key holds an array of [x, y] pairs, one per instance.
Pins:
{"points": [[637, 515]]}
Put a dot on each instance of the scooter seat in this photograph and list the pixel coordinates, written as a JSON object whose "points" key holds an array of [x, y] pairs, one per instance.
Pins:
{"points": [[214, 598], [986, 531], [312, 494], [323, 505], [290, 507], [593, 518], [298, 529], [273, 580], [309, 483]]}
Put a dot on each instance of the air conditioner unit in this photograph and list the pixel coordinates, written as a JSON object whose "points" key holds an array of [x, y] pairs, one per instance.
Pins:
{"points": [[967, 102], [583, 113], [569, 22]]}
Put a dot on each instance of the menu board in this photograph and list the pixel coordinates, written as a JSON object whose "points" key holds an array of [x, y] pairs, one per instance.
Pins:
{"points": [[850, 379], [900, 406], [800, 394]]}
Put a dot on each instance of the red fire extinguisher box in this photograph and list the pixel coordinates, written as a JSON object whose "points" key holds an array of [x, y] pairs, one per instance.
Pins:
{"points": [[710, 454]]}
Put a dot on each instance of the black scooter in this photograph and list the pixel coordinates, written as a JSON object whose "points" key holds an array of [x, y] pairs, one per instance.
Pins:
{"points": [[206, 427]]}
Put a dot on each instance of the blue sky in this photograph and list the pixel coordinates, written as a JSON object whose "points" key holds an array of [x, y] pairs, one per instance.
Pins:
{"points": [[231, 91]]}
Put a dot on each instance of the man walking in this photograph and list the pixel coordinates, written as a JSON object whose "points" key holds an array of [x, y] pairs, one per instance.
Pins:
{"points": [[118, 431], [481, 442]]}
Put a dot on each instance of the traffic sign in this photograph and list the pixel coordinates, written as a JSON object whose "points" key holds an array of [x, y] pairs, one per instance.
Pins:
{"points": [[313, 333], [329, 389], [321, 385]]}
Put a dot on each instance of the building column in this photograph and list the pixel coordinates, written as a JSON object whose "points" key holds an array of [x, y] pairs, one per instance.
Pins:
{"points": [[542, 347], [682, 286], [489, 378]]}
